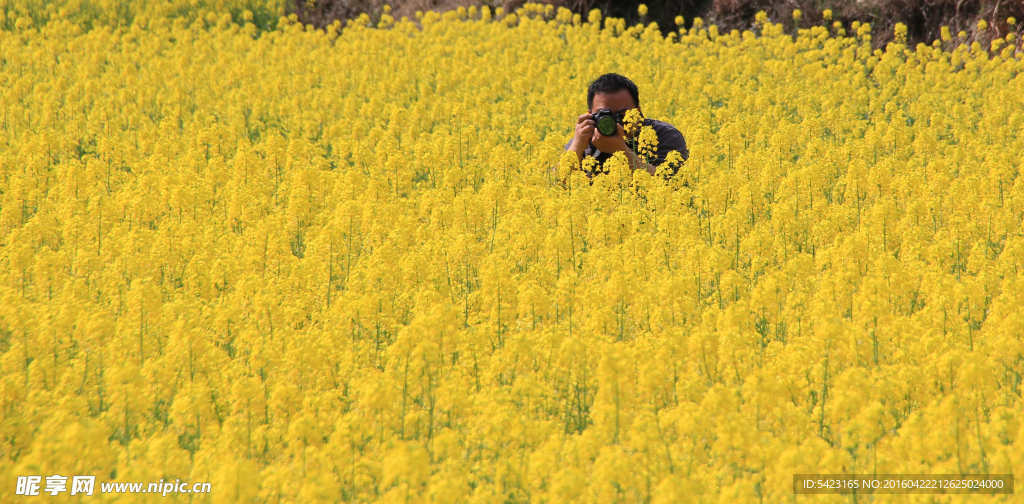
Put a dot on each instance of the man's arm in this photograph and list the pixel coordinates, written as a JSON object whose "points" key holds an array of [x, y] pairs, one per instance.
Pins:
{"points": [[583, 134], [636, 163]]}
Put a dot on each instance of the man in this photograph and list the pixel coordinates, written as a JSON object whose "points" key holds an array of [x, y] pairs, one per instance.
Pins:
{"points": [[618, 94]]}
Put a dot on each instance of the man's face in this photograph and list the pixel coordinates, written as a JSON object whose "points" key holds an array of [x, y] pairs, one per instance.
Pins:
{"points": [[618, 102]]}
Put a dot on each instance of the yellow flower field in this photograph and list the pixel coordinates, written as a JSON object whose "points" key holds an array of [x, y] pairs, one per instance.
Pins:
{"points": [[336, 266]]}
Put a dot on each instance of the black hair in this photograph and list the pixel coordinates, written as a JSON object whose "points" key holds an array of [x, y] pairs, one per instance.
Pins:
{"points": [[611, 83]]}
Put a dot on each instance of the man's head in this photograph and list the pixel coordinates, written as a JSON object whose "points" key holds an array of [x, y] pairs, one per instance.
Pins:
{"points": [[613, 92]]}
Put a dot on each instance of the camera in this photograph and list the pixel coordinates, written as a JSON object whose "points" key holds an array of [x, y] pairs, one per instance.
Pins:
{"points": [[607, 122]]}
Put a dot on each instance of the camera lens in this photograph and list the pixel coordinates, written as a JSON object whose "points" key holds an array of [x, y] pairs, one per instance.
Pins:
{"points": [[606, 123], [607, 126]]}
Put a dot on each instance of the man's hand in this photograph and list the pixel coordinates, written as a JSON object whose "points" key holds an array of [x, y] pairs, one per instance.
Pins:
{"points": [[610, 144], [583, 135], [613, 144]]}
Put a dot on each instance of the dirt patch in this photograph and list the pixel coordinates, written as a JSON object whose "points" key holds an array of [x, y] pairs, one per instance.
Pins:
{"points": [[924, 18]]}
